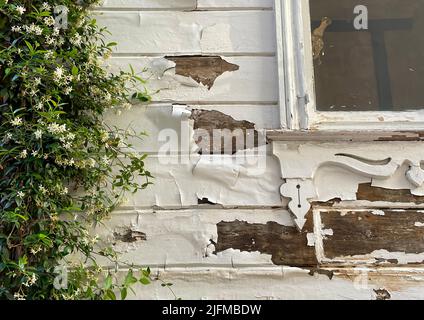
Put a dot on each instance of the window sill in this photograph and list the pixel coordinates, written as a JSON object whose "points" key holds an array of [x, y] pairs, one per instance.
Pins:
{"points": [[344, 136]]}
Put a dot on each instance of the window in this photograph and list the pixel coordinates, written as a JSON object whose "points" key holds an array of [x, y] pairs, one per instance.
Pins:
{"points": [[350, 64]]}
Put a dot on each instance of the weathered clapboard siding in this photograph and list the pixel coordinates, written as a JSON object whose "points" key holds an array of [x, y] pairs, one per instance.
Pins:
{"points": [[187, 4], [186, 237], [170, 33], [219, 229], [178, 185], [285, 283], [252, 83]]}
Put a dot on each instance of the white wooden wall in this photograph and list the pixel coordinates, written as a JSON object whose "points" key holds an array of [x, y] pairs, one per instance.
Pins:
{"points": [[179, 230]]}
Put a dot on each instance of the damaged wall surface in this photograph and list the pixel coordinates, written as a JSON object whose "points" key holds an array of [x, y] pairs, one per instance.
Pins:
{"points": [[261, 219]]}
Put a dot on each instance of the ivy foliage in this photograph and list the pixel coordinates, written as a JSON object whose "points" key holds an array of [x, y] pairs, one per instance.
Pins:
{"points": [[61, 167]]}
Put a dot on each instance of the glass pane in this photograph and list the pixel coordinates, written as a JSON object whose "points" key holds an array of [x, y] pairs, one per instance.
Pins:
{"points": [[379, 68]]}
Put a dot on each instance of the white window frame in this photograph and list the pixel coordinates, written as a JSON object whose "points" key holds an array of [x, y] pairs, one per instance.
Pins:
{"points": [[297, 89]]}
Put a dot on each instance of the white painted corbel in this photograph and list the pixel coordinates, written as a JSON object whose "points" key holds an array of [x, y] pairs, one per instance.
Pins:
{"points": [[415, 175], [300, 192], [300, 162]]}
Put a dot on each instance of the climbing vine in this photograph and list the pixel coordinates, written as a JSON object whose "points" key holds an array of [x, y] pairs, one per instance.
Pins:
{"points": [[62, 169]]}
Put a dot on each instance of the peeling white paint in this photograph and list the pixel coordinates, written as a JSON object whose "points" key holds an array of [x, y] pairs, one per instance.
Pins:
{"points": [[378, 212], [311, 239], [402, 257], [184, 238]]}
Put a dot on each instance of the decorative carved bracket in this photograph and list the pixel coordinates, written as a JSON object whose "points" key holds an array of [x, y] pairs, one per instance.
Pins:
{"points": [[300, 162]]}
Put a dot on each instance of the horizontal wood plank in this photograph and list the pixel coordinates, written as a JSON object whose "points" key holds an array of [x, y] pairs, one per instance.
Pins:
{"points": [[187, 4], [375, 236], [200, 32], [254, 81]]}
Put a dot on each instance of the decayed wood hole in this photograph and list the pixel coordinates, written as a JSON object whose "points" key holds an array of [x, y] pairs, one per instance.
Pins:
{"points": [[130, 236], [202, 69], [286, 245], [210, 123], [382, 294]]}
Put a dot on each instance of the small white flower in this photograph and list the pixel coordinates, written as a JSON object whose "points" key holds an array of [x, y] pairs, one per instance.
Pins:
{"points": [[34, 153], [19, 296], [7, 137], [20, 10], [91, 163], [21, 194], [42, 189], [37, 81], [23, 154], [38, 134], [49, 54], [58, 74], [16, 122], [76, 40], [31, 281], [55, 128], [104, 136], [64, 191], [50, 40], [67, 90], [16, 29], [35, 250], [105, 160], [49, 21], [45, 6], [39, 106]]}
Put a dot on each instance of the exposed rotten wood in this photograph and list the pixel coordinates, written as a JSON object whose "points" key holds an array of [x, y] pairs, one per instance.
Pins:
{"points": [[382, 294], [287, 245], [370, 193], [202, 69], [130, 236], [362, 232], [234, 135]]}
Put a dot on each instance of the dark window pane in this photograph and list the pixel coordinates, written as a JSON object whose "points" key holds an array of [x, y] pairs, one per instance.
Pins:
{"points": [[369, 70]]}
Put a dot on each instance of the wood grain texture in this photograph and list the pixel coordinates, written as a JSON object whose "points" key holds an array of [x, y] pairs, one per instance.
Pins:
{"points": [[363, 232], [370, 193], [287, 245]]}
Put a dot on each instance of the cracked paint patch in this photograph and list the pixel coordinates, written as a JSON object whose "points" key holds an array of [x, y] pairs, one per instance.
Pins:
{"points": [[202, 69]]}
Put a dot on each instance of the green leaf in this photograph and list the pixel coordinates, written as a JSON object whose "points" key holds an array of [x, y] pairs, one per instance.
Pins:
{"points": [[108, 282], [130, 279], [144, 280], [110, 295], [75, 71], [124, 293]]}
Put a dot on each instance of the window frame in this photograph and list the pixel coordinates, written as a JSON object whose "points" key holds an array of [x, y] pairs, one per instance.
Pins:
{"points": [[297, 84]]}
